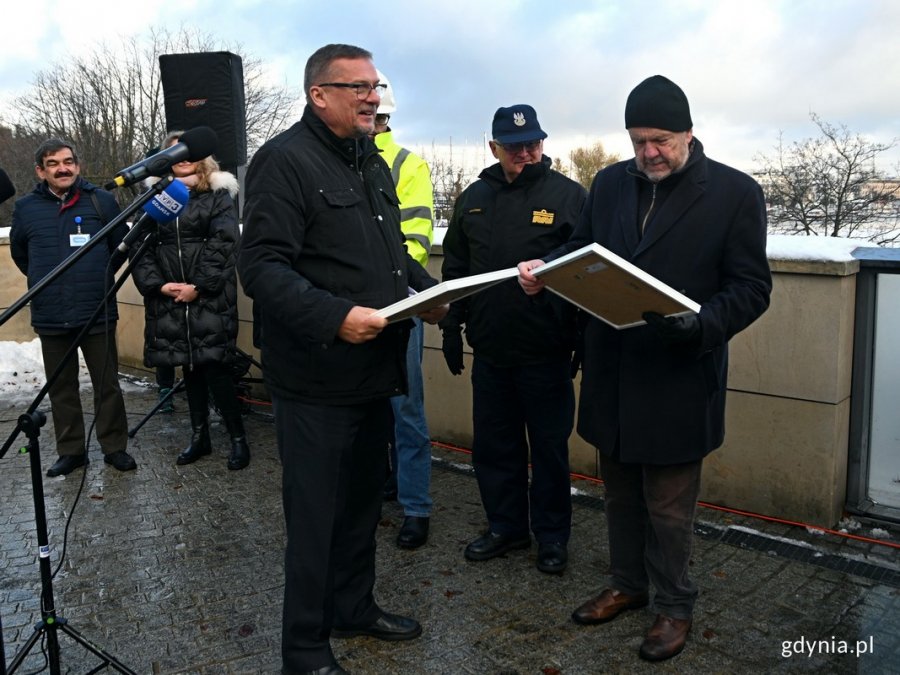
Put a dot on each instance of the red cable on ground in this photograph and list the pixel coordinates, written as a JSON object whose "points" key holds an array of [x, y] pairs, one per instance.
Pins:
{"points": [[253, 401], [716, 507]]}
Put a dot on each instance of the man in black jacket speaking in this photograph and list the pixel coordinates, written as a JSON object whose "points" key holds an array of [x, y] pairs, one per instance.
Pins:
{"points": [[322, 246]]}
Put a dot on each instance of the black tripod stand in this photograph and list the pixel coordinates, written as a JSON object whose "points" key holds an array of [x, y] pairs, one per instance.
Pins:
{"points": [[155, 409], [30, 424], [50, 624]]}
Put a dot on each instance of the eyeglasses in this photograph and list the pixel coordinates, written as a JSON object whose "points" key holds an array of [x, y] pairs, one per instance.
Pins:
{"points": [[362, 88], [382, 120], [516, 148]]}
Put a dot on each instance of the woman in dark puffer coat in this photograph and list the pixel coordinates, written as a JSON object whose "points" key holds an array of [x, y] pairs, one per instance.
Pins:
{"points": [[189, 284]]}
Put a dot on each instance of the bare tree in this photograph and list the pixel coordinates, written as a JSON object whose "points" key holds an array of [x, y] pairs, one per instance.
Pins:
{"points": [[830, 186], [585, 162], [110, 103], [448, 178]]}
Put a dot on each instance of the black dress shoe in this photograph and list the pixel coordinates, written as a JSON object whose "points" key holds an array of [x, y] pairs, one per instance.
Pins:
{"points": [[120, 460], [333, 669], [240, 454], [66, 464], [389, 627], [490, 545], [552, 558], [413, 532]]}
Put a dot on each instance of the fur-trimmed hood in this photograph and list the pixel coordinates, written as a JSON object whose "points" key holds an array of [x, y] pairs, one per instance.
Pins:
{"points": [[218, 180], [224, 180]]}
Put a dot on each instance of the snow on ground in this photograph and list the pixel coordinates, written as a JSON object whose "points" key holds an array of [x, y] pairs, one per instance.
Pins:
{"points": [[22, 372]]}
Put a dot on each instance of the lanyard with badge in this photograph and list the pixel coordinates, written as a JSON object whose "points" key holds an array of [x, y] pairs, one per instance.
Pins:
{"points": [[79, 238]]}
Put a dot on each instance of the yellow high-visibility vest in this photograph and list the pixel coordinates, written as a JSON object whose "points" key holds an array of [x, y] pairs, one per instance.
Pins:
{"points": [[412, 178]]}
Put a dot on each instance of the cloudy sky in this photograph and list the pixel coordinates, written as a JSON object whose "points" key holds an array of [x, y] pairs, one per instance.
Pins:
{"points": [[750, 69]]}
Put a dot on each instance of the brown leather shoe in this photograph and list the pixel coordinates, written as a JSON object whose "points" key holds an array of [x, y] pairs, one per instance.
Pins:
{"points": [[665, 638], [607, 606]]}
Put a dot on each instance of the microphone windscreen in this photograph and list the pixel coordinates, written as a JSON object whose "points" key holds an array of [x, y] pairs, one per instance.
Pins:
{"points": [[7, 189], [166, 205], [201, 142]]}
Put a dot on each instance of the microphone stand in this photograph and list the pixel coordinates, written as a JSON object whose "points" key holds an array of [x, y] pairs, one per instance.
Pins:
{"points": [[30, 423], [165, 399]]}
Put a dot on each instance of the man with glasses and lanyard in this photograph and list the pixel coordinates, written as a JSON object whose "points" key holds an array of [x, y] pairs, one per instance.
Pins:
{"points": [[322, 247], [523, 399]]}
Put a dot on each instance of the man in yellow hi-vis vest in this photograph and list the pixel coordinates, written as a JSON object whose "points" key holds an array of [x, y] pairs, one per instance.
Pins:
{"points": [[410, 479]]}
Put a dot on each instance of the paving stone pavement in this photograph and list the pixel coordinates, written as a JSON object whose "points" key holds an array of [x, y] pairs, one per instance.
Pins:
{"points": [[179, 570]]}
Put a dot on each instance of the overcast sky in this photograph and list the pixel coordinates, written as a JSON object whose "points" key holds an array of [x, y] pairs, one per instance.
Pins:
{"points": [[750, 69]]}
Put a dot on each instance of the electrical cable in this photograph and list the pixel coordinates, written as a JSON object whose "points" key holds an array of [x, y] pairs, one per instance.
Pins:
{"points": [[725, 509]]}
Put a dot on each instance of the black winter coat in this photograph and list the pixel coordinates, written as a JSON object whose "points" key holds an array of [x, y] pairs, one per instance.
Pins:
{"points": [[496, 224], [200, 248], [39, 240], [322, 234], [708, 240]]}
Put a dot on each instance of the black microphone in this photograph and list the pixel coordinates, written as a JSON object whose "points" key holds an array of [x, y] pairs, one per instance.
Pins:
{"points": [[163, 208], [7, 189], [194, 145]]}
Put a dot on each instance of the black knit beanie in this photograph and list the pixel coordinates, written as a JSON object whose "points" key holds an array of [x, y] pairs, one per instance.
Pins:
{"points": [[658, 103]]}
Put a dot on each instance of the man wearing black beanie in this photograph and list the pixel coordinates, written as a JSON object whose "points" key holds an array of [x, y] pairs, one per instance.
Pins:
{"points": [[653, 396]]}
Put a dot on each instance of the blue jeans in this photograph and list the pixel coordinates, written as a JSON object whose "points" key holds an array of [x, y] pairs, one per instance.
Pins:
{"points": [[411, 453]]}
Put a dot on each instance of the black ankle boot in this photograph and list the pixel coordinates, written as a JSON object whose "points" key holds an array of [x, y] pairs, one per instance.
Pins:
{"points": [[199, 446], [240, 453]]}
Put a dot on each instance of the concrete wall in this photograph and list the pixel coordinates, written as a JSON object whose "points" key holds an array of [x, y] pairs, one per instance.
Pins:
{"points": [[12, 286], [788, 410], [785, 452], [788, 406]]}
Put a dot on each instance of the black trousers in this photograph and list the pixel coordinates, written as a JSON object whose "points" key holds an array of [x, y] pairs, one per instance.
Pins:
{"points": [[102, 360], [165, 377], [216, 379], [517, 409], [333, 463]]}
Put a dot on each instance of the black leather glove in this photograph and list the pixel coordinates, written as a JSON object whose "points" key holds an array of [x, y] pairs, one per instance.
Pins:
{"points": [[453, 350], [682, 331]]}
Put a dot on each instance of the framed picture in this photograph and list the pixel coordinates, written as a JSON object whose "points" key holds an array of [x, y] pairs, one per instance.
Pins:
{"points": [[611, 288]]}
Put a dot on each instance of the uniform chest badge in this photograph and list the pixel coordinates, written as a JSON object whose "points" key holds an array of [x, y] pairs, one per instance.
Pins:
{"points": [[542, 217]]}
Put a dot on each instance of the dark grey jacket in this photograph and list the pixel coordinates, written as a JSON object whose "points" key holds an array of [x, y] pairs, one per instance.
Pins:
{"points": [[39, 240]]}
